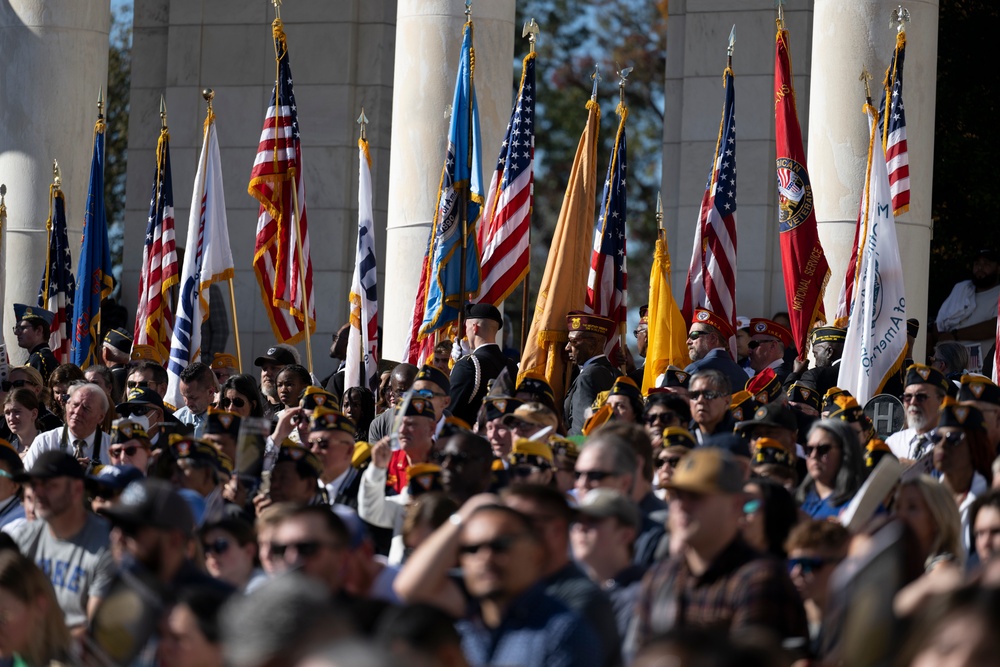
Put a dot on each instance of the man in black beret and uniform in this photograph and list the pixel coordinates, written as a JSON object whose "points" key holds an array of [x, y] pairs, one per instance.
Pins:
{"points": [[32, 331], [472, 374]]}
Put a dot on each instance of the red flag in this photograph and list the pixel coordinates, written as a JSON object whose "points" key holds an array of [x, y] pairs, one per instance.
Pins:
{"points": [[803, 262]]}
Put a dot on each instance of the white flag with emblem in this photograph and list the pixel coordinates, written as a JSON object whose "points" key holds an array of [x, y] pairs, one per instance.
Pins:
{"points": [[362, 348], [876, 333]]}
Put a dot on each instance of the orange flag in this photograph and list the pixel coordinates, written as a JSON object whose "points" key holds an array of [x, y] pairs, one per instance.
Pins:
{"points": [[564, 282]]}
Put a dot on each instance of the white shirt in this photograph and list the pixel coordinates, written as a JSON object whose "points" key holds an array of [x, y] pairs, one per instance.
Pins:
{"points": [[333, 488], [50, 440], [976, 489], [381, 510], [903, 443]]}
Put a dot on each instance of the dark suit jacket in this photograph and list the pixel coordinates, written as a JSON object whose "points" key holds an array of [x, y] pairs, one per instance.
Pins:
{"points": [[42, 360], [595, 377], [466, 395], [719, 360]]}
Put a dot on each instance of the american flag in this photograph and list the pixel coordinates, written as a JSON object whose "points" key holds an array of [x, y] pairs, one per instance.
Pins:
{"points": [[55, 293], [607, 283], [894, 129], [504, 234], [711, 281], [277, 170], [154, 318]]}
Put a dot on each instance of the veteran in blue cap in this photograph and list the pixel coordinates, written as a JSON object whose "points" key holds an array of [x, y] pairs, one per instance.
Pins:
{"points": [[472, 374], [33, 327]]}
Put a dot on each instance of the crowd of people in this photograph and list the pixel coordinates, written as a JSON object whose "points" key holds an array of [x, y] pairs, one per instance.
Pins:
{"points": [[463, 514]]}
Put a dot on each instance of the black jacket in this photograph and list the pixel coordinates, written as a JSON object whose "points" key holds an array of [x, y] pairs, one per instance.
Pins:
{"points": [[469, 387], [595, 377]]}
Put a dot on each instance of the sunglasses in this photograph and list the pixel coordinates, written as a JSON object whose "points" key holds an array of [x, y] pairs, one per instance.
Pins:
{"points": [[523, 471], [594, 475], [754, 344], [235, 402], [707, 395], [134, 384], [117, 452], [427, 393], [498, 546], [306, 549], [671, 461], [16, 384], [950, 439], [915, 398], [217, 547], [660, 417], [751, 506], [695, 335], [820, 451], [807, 565], [639, 331], [139, 410]]}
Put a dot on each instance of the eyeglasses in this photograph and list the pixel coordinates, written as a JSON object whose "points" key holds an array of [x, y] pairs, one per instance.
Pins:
{"points": [[706, 394], [4, 473], [915, 398], [671, 461], [639, 331], [751, 506], [306, 549], [500, 545], [137, 384], [139, 410], [235, 402], [117, 452], [218, 547], [17, 328], [523, 471], [807, 565], [695, 335], [951, 439], [594, 475], [662, 417], [754, 344], [820, 451]]}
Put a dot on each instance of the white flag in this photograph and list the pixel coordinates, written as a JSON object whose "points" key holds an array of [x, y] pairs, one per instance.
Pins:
{"points": [[207, 259], [362, 346], [876, 334]]}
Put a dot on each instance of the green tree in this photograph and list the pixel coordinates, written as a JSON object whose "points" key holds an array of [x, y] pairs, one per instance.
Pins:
{"points": [[116, 135]]}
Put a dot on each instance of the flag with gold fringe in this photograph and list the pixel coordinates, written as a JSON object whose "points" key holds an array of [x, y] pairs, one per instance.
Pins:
{"points": [[803, 262], [564, 282], [667, 335], [58, 285], [96, 281]]}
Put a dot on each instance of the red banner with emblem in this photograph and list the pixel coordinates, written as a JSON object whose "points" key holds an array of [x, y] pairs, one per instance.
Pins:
{"points": [[803, 262]]}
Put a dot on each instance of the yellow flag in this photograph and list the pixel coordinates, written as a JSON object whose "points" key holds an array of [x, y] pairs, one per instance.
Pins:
{"points": [[667, 341], [564, 283]]}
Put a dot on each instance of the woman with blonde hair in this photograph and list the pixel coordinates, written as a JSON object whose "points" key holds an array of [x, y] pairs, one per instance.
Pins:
{"points": [[34, 633], [928, 507], [28, 378]]}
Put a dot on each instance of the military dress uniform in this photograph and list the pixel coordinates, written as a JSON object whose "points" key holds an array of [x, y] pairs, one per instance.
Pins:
{"points": [[472, 374], [596, 375], [40, 357]]}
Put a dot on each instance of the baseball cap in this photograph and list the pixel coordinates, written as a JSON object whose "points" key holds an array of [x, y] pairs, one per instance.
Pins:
{"points": [[276, 355], [114, 478], [603, 503], [51, 464], [533, 413], [151, 502], [708, 470], [140, 396]]}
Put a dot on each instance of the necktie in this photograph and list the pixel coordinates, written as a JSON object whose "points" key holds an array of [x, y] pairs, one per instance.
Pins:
{"points": [[78, 448], [919, 443]]}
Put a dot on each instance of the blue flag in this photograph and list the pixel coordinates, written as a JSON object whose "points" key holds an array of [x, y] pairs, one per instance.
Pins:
{"points": [[459, 175], [94, 271]]}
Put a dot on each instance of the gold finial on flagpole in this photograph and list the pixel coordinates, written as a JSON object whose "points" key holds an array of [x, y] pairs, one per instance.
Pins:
{"points": [[163, 113], [277, 9], [659, 211], [100, 103], [209, 95], [865, 78], [596, 76], [363, 122], [56, 174], [900, 16], [622, 77], [531, 31]]}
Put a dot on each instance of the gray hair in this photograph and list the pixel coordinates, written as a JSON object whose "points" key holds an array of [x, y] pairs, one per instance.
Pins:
{"points": [[91, 388], [953, 355], [718, 379], [623, 458], [851, 474]]}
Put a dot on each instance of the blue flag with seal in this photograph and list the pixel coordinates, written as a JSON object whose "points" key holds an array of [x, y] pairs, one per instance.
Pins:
{"points": [[462, 173], [94, 270]]}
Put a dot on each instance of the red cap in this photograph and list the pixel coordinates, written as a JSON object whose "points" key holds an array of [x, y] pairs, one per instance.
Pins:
{"points": [[578, 320], [713, 320], [761, 327]]}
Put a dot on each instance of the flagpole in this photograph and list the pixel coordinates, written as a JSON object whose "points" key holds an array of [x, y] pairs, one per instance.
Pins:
{"points": [[623, 112], [56, 182], [530, 31], [467, 193]]}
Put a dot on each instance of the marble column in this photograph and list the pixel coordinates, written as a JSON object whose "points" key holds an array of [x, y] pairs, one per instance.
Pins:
{"points": [[849, 35], [55, 60], [428, 42]]}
